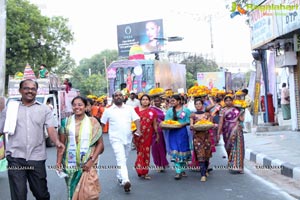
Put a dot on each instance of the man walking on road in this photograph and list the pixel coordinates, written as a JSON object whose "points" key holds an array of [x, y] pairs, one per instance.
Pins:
{"points": [[285, 102], [23, 122], [120, 117], [133, 101]]}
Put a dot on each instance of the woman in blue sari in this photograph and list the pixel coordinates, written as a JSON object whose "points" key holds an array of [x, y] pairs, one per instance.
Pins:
{"points": [[178, 138]]}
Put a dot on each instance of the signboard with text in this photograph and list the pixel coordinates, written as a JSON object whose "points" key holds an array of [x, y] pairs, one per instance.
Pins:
{"points": [[274, 18], [147, 34]]}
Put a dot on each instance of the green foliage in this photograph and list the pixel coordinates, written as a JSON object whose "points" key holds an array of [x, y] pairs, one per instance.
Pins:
{"points": [[96, 83], [195, 64], [65, 66], [33, 38], [97, 62]]}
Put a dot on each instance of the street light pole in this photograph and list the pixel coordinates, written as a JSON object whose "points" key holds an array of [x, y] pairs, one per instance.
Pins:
{"points": [[106, 77], [168, 39], [2, 46]]}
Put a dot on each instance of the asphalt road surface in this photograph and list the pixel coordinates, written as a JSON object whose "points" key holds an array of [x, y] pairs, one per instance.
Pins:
{"points": [[220, 184]]}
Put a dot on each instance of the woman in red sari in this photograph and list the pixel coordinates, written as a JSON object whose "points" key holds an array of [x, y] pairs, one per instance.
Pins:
{"points": [[148, 120]]}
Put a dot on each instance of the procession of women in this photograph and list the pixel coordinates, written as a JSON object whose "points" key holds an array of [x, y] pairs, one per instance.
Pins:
{"points": [[188, 145], [179, 132]]}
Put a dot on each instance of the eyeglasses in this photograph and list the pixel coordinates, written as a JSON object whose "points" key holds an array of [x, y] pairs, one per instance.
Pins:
{"points": [[28, 88]]}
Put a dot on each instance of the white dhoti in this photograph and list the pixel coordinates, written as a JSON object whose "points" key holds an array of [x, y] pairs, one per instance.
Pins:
{"points": [[121, 153]]}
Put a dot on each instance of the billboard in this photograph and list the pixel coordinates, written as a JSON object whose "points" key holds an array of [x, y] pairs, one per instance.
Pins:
{"points": [[212, 79], [143, 75], [147, 34]]}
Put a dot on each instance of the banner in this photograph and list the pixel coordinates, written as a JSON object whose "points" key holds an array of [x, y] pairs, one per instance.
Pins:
{"points": [[148, 34], [212, 79]]}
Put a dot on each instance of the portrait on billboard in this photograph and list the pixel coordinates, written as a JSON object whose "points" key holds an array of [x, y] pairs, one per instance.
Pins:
{"points": [[212, 79], [148, 34], [129, 77], [151, 37]]}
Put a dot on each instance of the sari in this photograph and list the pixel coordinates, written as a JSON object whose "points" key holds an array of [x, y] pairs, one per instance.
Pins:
{"points": [[233, 137], [202, 146], [88, 126], [144, 141], [159, 148], [179, 139], [202, 141]]}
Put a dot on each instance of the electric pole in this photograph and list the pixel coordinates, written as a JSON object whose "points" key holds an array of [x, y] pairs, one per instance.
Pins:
{"points": [[2, 46]]}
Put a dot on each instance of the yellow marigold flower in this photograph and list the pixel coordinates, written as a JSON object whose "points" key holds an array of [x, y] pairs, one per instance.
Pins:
{"points": [[240, 103], [239, 93], [133, 126], [156, 91], [204, 122], [171, 122]]}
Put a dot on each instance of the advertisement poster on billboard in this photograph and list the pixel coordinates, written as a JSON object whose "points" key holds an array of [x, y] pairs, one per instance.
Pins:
{"points": [[212, 79], [147, 34]]}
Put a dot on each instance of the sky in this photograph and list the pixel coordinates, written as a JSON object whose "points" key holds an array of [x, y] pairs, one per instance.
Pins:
{"points": [[94, 24]]}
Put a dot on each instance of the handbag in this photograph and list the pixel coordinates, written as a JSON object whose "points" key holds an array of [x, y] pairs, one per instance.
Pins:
{"points": [[88, 187], [2, 149], [3, 161]]}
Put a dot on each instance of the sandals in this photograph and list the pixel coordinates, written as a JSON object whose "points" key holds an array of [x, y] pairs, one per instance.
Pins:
{"points": [[147, 177], [183, 174], [127, 187], [177, 176], [203, 179]]}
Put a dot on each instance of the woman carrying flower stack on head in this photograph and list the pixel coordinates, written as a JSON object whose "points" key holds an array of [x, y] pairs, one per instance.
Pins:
{"points": [[159, 151], [178, 137], [148, 121], [201, 140], [230, 127]]}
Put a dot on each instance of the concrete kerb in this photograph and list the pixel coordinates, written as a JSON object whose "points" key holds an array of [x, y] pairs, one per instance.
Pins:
{"points": [[265, 162], [296, 173]]}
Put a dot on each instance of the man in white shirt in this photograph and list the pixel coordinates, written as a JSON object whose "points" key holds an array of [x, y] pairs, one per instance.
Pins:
{"points": [[133, 101], [285, 102], [120, 117]]}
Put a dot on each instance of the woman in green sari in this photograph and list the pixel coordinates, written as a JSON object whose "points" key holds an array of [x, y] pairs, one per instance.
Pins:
{"points": [[82, 136]]}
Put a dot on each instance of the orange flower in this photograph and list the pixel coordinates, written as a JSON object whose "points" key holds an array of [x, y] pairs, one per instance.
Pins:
{"points": [[156, 91], [240, 103], [171, 122], [133, 126], [204, 122]]}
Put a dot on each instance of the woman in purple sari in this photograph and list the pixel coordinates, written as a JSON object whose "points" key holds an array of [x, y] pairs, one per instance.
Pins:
{"points": [[230, 125], [159, 147]]}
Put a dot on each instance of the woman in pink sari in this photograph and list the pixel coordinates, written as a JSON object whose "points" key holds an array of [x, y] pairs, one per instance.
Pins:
{"points": [[159, 152], [148, 120], [230, 125]]}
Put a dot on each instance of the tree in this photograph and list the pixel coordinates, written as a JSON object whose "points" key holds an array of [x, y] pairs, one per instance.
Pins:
{"points": [[96, 66], [94, 84], [195, 64], [33, 38], [65, 66]]}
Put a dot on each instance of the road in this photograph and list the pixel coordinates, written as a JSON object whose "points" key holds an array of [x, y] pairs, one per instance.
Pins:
{"points": [[220, 184]]}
